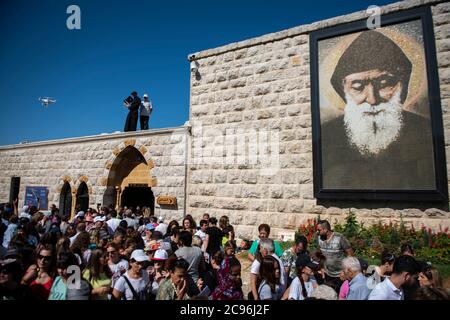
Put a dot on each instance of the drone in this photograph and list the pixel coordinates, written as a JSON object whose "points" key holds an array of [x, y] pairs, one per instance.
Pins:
{"points": [[46, 101]]}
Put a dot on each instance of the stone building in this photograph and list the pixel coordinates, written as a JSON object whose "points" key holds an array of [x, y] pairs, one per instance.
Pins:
{"points": [[246, 151]]}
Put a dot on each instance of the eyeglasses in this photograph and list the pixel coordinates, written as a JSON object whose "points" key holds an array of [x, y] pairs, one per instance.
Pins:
{"points": [[46, 258]]}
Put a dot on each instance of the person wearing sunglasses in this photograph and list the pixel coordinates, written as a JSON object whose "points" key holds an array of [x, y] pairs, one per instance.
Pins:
{"points": [[117, 265], [98, 274], [377, 274], [134, 284], [39, 276]]}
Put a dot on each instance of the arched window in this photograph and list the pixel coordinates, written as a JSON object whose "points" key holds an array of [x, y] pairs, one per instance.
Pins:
{"points": [[82, 197], [65, 199]]}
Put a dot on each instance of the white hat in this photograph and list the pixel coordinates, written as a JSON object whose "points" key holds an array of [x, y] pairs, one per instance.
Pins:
{"points": [[145, 95], [162, 227], [79, 214], [25, 215], [139, 255], [160, 254], [25, 209], [99, 218]]}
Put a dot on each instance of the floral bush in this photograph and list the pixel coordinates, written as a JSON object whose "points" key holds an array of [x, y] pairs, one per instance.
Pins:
{"points": [[370, 241]]}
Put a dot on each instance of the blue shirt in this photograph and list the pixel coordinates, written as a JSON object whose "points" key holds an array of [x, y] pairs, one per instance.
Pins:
{"points": [[358, 289], [58, 290]]}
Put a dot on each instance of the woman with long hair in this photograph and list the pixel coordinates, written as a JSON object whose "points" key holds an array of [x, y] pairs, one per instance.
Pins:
{"points": [[98, 274], [39, 276], [59, 288], [430, 277], [189, 225], [269, 288], [63, 245], [303, 285]]}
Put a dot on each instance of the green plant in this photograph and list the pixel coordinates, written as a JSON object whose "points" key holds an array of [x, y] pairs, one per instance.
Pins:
{"points": [[372, 240]]}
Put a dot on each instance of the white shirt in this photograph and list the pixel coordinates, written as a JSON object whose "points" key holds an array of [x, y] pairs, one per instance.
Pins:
{"points": [[386, 291], [255, 270], [113, 223], [146, 108], [72, 239], [201, 234], [296, 292], [139, 285]]}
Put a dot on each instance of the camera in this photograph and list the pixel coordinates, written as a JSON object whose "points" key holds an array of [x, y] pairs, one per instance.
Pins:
{"points": [[193, 65]]}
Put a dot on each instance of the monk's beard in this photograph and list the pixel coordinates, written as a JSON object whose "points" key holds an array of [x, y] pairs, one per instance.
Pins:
{"points": [[373, 133]]}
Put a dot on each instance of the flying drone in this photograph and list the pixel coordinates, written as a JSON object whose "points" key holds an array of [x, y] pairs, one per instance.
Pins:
{"points": [[46, 101]]}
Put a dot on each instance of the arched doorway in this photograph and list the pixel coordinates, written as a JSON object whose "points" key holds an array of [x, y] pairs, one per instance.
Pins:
{"points": [[129, 181], [65, 199], [82, 197]]}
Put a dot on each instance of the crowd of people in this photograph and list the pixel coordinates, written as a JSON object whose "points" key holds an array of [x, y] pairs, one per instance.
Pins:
{"points": [[128, 254]]}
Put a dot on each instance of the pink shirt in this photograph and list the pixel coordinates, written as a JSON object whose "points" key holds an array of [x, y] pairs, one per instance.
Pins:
{"points": [[343, 292]]}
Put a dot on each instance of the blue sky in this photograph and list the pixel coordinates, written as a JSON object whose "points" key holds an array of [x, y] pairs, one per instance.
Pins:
{"points": [[122, 46]]}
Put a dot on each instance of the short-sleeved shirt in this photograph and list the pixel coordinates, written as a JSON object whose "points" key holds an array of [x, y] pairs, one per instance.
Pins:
{"points": [[193, 255], [254, 268], [102, 281], [254, 248], [139, 285], [215, 239], [289, 258], [166, 291], [265, 293], [58, 290], [296, 290], [334, 251]]}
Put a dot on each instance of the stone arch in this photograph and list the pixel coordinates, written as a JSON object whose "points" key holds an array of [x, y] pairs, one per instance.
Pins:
{"points": [[65, 199], [82, 197], [118, 150], [129, 166]]}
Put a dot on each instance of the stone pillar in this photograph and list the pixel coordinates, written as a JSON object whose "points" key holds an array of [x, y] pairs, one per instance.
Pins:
{"points": [[74, 202]]}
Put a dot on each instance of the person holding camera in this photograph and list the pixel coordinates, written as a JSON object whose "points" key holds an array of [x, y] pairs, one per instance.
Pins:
{"points": [[133, 103]]}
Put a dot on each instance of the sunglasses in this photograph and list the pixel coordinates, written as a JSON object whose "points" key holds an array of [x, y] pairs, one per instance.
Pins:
{"points": [[46, 258]]}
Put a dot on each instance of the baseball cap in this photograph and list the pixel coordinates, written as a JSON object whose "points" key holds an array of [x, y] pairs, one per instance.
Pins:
{"points": [[304, 260], [80, 214], [150, 226], [99, 218], [139, 255], [145, 95], [160, 255]]}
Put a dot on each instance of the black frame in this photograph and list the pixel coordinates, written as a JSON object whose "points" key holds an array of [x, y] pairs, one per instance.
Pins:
{"points": [[441, 191]]}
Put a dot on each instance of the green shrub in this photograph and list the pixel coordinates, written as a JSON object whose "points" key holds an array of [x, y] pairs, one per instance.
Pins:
{"points": [[372, 240]]}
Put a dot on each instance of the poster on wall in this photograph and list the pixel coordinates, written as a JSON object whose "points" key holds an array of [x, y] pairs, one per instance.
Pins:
{"points": [[37, 196], [377, 121]]}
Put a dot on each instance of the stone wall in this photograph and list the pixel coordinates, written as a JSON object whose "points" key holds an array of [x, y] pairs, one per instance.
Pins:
{"points": [[247, 90], [90, 158]]}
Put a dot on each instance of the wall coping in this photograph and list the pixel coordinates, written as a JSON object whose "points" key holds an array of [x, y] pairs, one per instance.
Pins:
{"points": [[98, 137], [308, 28]]}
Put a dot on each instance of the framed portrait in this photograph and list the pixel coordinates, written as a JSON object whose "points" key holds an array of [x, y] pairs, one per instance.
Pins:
{"points": [[376, 112]]}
